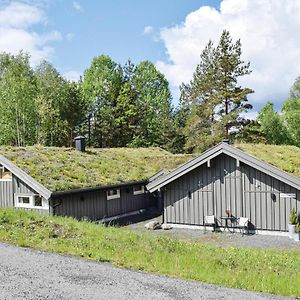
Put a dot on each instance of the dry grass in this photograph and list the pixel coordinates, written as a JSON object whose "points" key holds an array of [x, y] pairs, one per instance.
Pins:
{"points": [[65, 168], [284, 157]]}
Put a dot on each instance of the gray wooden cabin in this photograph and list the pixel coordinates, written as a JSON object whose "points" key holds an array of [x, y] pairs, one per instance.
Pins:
{"points": [[18, 189], [227, 178]]}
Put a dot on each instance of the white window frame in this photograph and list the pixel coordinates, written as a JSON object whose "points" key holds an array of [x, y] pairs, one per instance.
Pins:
{"points": [[45, 204], [138, 192], [111, 197], [2, 168]]}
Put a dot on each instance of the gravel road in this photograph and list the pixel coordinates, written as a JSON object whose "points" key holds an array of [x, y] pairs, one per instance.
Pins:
{"points": [[30, 274]]}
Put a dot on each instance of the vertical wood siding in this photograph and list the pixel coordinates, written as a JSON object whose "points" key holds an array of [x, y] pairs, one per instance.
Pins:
{"points": [[95, 206], [16, 186], [6, 194], [244, 190], [19, 187]]}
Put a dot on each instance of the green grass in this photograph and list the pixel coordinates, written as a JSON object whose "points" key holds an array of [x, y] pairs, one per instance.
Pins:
{"points": [[286, 158], [61, 169], [269, 271]]}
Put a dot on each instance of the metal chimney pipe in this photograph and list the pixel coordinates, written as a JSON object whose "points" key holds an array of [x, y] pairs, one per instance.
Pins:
{"points": [[80, 143]]}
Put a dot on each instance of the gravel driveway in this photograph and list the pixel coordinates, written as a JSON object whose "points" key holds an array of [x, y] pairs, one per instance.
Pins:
{"points": [[30, 274], [223, 239]]}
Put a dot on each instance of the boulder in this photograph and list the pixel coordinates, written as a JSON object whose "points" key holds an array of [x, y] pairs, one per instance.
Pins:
{"points": [[153, 225]]}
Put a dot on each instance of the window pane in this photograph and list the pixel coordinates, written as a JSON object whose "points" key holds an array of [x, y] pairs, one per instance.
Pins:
{"points": [[24, 200], [138, 188], [112, 192], [37, 201]]}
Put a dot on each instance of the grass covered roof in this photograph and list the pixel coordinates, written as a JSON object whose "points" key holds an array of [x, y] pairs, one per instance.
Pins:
{"points": [[286, 158], [60, 169]]}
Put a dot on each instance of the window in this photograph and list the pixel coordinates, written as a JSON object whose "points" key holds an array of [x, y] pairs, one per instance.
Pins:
{"points": [[113, 194], [138, 189], [5, 175], [38, 201], [30, 201], [23, 200]]}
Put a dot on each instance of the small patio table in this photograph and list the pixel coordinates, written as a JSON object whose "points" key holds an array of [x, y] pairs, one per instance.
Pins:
{"points": [[227, 219]]}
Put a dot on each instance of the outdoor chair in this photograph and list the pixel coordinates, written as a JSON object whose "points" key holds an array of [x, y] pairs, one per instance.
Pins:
{"points": [[243, 224], [210, 221]]}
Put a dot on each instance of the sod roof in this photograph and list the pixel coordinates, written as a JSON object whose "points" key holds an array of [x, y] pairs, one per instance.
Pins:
{"points": [[60, 169], [286, 158]]}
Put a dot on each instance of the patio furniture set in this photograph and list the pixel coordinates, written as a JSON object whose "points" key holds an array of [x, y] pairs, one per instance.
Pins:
{"points": [[231, 223]]}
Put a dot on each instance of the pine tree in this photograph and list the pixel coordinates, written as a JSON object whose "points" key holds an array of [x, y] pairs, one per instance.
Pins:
{"points": [[214, 98]]}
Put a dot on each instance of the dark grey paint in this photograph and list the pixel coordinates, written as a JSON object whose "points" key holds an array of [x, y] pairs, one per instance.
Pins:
{"points": [[95, 206]]}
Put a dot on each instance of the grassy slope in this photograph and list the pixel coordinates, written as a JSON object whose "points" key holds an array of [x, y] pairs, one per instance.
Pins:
{"points": [[269, 271], [66, 168], [283, 157]]}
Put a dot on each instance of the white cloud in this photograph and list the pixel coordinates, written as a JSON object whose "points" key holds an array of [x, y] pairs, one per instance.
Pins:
{"points": [[148, 30], [77, 6], [251, 115], [72, 75], [269, 32], [70, 36], [20, 15], [16, 34]]}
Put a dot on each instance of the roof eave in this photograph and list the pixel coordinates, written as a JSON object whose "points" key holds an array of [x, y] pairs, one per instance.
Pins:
{"points": [[185, 168], [38, 187], [104, 187], [233, 152]]}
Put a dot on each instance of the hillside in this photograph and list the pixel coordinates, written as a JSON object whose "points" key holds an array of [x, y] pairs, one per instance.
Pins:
{"points": [[286, 158], [61, 169]]}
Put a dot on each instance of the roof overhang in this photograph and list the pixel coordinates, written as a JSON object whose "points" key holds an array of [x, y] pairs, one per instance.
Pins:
{"points": [[230, 151], [104, 187], [39, 188]]}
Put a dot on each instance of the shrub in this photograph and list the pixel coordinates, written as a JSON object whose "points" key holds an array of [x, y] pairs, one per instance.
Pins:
{"points": [[293, 217]]}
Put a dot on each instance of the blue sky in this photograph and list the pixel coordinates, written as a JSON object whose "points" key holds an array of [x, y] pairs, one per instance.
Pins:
{"points": [[170, 33], [115, 28]]}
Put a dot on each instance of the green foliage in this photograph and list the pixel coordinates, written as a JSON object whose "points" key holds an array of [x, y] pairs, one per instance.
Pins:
{"points": [[271, 271], [251, 133], [154, 106], [291, 112], [100, 89], [126, 115], [277, 127], [129, 105], [66, 168], [59, 107], [37, 106], [293, 217], [213, 97], [18, 90], [272, 126]]}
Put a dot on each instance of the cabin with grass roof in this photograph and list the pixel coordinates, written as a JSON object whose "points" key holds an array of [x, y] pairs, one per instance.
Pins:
{"points": [[258, 182], [253, 182], [96, 184]]}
